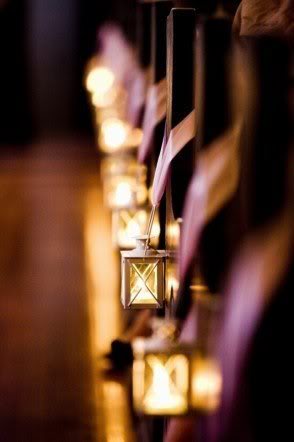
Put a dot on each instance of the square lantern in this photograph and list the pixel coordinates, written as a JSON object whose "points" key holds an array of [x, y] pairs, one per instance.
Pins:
{"points": [[124, 183], [172, 379], [129, 223], [143, 276], [161, 378]]}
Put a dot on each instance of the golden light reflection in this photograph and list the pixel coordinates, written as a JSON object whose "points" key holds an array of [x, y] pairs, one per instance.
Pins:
{"points": [[116, 412], [206, 384], [102, 272]]}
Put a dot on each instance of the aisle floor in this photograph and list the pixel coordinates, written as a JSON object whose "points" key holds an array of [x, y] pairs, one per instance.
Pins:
{"points": [[58, 299]]}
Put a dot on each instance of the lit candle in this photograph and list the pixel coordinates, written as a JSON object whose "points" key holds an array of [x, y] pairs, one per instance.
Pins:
{"points": [[167, 393]]}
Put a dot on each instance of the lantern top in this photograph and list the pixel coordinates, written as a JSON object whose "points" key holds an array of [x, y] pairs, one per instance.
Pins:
{"points": [[153, 344], [143, 249]]}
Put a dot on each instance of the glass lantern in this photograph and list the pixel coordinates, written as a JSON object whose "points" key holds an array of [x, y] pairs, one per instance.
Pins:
{"points": [[129, 223], [143, 276], [100, 83], [116, 134], [176, 379], [124, 185], [161, 377]]}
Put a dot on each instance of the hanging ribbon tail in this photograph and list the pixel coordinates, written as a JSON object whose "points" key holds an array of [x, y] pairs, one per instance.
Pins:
{"points": [[117, 53], [178, 138], [136, 97], [213, 184], [155, 112]]}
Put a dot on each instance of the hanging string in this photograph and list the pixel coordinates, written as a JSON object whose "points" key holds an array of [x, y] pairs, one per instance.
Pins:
{"points": [[149, 227]]}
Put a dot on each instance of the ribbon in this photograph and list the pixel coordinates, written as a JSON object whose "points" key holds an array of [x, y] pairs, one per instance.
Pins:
{"points": [[212, 185], [117, 53], [155, 112], [137, 95], [253, 280], [178, 138]]}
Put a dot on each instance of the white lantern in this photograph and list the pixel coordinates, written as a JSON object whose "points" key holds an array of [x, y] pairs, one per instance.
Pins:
{"points": [[143, 276]]}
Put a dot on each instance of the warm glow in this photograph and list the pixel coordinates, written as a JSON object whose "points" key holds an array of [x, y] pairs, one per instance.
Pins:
{"points": [[173, 233], [144, 283], [130, 223], [114, 134], [99, 80], [123, 194], [206, 384], [167, 393]]}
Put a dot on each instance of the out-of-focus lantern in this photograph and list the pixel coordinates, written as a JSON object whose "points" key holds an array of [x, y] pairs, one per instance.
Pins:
{"points": [[116, 134], [124, 183], [129, 223], [143, 276], [161, 377], [176, 379], [100, 83]]}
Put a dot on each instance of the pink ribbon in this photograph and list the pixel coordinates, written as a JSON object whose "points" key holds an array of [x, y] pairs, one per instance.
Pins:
{"points": [[118, 54], [155, 112], [254, 277], [178, 138], [212, 185], [137, 96]]}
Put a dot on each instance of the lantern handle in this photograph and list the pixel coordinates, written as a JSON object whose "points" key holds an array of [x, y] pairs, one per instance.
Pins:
{"points": [[149, 227]]}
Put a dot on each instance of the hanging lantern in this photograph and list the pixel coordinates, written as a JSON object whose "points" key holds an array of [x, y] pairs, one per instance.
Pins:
{"points": [[124, 183], [100, 83], [116, 134], [174, 379], [129, 223], [161, 378], [143, 276]]}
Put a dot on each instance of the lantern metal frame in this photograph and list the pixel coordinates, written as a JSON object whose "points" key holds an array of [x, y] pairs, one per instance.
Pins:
{"points": [[142, 255]]}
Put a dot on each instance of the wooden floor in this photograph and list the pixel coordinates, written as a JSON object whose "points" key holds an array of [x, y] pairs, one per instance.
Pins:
{"points": [[58, 299]]}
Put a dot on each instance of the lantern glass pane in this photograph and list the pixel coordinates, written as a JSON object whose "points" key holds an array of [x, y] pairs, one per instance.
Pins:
{"points": [[166, 384], [144, 282]]}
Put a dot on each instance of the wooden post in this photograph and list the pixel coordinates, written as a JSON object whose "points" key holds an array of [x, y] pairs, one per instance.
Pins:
{"points": [[159, 13], [180, 102]]}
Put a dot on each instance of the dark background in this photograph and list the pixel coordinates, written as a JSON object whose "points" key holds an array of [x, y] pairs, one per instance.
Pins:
{"points": [[44, 46]]}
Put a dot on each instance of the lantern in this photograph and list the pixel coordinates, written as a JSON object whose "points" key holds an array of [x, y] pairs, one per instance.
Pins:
{"points": [[100, 83], [116, 134], [161, 377], [174, 379], [129, 223], [143, 276], [124, 183]]}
